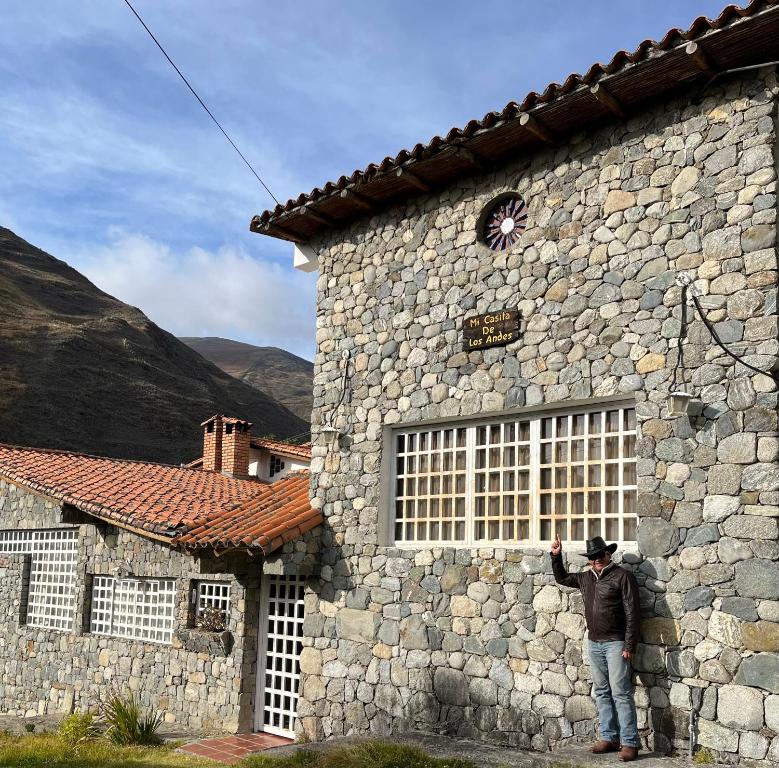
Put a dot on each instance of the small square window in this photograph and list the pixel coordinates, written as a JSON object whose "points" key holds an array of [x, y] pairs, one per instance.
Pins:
{"points": [[212, 606]]}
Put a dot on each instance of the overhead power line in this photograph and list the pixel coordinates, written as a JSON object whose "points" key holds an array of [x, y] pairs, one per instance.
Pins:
{"points": [[202, 103]]}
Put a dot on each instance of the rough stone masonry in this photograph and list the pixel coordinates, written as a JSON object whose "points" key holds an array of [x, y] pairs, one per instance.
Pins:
{"points": [[195, 682], [480, 642]]}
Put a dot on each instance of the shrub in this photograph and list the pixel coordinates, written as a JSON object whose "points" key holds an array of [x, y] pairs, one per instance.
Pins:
{"points": [[77, 727], [703, 756], [29, 727], [128, 724]]}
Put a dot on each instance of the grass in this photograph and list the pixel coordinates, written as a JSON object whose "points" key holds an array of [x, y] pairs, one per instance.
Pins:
{"points": [[369, 754], [703, 756], [50, 750]]}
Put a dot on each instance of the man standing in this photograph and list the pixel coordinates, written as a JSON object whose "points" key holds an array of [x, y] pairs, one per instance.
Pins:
{"points": [[612, 611]]}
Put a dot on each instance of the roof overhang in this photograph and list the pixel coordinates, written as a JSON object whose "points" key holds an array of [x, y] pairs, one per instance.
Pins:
{"points": [[737, 38]]}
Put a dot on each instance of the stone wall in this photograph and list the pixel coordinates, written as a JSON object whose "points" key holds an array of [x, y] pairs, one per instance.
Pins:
{"points": [[480, 641], [200, 682]]}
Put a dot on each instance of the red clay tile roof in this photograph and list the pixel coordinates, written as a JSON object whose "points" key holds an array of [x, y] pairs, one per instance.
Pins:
{"points": [[280, 446], [164, 500], [279, 513], [737, 37], [299, 450]]}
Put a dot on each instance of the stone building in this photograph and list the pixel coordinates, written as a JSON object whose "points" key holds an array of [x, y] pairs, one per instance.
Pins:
{"points": [[124, 576], [443, 464]]}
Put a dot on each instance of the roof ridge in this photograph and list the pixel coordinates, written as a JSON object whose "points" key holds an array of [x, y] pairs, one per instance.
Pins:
{"points": [[66, 452], [700, 27]]}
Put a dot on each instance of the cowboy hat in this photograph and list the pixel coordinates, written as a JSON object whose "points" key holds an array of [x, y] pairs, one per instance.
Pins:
{"points": [[597, 545]]}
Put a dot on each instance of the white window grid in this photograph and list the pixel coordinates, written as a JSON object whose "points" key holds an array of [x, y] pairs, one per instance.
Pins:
{"points": [[51, 592], [213, 594], [279, 654], [134, 608], [518, 480]]}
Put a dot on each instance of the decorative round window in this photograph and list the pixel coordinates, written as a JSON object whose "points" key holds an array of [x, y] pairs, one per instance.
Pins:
{"points": [[504, 222]]}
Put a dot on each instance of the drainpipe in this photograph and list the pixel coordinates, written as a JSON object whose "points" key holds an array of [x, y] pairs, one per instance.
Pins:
{"points": [[696, 699]]}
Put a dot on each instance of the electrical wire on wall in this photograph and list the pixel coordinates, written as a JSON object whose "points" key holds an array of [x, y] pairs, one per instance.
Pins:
{"points": [[684, 282], [329, 422]]}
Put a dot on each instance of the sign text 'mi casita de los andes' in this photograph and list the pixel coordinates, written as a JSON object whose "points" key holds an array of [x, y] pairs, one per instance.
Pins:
{"points": [[492, 329]]}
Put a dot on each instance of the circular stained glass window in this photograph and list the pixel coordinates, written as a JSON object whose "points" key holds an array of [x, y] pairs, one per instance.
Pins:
{"points": [[505, 222]]}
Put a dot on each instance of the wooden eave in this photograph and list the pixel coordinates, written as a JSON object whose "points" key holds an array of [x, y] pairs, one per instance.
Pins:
{"points": [[738, 38]]}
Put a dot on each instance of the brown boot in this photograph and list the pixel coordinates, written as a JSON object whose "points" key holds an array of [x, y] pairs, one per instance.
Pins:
{"points": [[602, 746], [627, 753]]}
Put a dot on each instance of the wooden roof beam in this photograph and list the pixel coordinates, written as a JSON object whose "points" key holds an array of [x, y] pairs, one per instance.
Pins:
{"points": [[537, 128], [468, 154], [700, 59], [277, 230], [359, 200], [413, 179], [605, 97], [307, 210]]}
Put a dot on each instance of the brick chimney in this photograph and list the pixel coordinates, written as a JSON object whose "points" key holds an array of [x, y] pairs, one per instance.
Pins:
{"points": [[235, 447], [212, 443]]}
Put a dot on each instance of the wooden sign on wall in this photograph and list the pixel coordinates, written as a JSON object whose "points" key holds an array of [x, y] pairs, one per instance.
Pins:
{"points": [[491, 330]]}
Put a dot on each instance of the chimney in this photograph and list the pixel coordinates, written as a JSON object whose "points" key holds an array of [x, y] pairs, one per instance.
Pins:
{"points": [[235, 447], [212, 443]]}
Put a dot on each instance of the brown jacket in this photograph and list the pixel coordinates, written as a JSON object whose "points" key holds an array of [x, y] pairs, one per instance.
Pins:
{"points": [[611, 602]]}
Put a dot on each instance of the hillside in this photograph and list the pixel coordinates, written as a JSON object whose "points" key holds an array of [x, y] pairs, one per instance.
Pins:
{"points": [[284, 376], [80, 370]]}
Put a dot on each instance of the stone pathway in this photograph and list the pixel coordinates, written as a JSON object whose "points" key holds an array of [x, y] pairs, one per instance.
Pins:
{"points": [[493, 756], [230, 749]]}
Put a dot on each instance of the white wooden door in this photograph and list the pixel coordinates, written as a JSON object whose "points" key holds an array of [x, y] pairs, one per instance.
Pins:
{"points": [[278, 663]]}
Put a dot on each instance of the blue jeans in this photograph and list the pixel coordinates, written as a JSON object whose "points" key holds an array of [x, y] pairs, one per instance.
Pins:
{"points": [[613, 690]]}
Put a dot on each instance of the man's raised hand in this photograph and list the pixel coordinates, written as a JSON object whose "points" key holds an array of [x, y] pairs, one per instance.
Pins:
{"points": [[557, 546]]}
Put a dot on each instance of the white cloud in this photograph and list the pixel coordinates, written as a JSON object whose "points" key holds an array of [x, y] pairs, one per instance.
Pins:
{"points": [[206, 293]]}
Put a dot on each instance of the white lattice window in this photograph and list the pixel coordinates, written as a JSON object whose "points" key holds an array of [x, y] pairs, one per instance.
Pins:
{"points": [[51, 590], [518, 480], [215, 595], [138, 609]]}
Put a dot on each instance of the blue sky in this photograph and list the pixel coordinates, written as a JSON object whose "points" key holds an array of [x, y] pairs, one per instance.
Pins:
{"points": [[109, 163]]}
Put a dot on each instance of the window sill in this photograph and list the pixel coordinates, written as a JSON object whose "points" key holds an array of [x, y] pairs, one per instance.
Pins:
{"points": [[203, 641]]}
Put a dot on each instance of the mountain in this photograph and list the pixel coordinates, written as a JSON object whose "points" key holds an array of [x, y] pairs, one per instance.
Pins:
{"points": [[80, 370], [284, 376]]}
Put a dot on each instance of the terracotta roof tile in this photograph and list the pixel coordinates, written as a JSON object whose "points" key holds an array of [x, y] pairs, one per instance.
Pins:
{"points": [[191, 507], [279, 513], [300, 450], [281, 446], [737, 37]]}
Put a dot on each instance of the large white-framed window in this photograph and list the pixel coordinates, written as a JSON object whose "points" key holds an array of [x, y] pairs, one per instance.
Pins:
{"points": [[517, 479], [134, 608], [50, 596]]}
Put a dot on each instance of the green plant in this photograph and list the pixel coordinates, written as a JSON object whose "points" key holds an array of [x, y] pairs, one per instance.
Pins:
{"points": [[128, 723], [29, 727], [703, 756], [77, 727]]}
